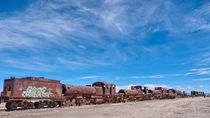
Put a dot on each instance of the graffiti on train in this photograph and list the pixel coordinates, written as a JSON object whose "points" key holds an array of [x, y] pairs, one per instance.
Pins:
{"points": [[36, 92]]}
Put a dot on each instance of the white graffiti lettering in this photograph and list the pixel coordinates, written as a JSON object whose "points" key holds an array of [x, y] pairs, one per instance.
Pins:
{"points": [[36, 92]]}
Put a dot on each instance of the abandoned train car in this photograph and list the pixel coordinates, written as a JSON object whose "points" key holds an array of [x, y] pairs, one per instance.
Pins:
{"points": [[31, 92], [39, 92]]}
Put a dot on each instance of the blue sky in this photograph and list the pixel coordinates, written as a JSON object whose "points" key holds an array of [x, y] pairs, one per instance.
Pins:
{"points": [[152, 42]]}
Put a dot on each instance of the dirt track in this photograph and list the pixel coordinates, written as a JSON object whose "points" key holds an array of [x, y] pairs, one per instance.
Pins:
{"points": [[177, 108]]}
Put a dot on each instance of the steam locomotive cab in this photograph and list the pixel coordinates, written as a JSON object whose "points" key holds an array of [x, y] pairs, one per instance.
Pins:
{"points": [[108, 91], [146, 93], [107, 88]]}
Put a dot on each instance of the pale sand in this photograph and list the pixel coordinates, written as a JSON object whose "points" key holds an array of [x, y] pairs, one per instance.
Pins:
{"points": [[176, 108]]}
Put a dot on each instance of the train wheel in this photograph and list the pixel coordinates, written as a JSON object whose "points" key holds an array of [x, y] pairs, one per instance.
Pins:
{"points": [[78, 102], [31, 105], [11, 106], [37, 105], [92, 102], [60, 104], [51, 105], [14, 106], [25, 105], [55, 104], [42, 104], [8, 105]]}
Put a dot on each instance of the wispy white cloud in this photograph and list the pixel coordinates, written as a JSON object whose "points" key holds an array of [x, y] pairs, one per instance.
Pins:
{"points": [[191, 72], [71, 64], [151, 76], [152, 86], [6, 73], [204, 86], [204, 59], [202, 79], [73, 32], [185, 88], [27, 64], [195, 71], [90, 77], [124, 87], [65, 31], [198, 20], [201, 71]]}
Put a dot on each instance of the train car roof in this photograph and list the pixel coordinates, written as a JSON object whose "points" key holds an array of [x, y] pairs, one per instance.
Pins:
{"points": [[41, 79]]}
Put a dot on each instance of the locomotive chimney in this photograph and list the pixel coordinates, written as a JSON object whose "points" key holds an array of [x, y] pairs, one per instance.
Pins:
{"points": [[132, 87], [12, 77]]}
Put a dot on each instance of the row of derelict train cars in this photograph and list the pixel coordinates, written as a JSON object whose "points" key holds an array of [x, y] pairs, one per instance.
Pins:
{"points": [[39, 92]]}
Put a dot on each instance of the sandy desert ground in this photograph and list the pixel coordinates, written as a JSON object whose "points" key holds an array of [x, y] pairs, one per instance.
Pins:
{"points": [[177, 108]]}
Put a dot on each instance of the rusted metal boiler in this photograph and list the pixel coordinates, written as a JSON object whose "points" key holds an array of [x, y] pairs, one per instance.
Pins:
{"points": [[130, 95], [85, 91]]}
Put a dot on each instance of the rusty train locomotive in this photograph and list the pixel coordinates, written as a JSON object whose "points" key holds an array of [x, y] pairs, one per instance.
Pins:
{"points": [[39, 92]]}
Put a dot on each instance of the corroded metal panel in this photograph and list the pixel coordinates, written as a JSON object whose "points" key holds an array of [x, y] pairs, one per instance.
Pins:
{"points": [[99, 91], [32, 87]]}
